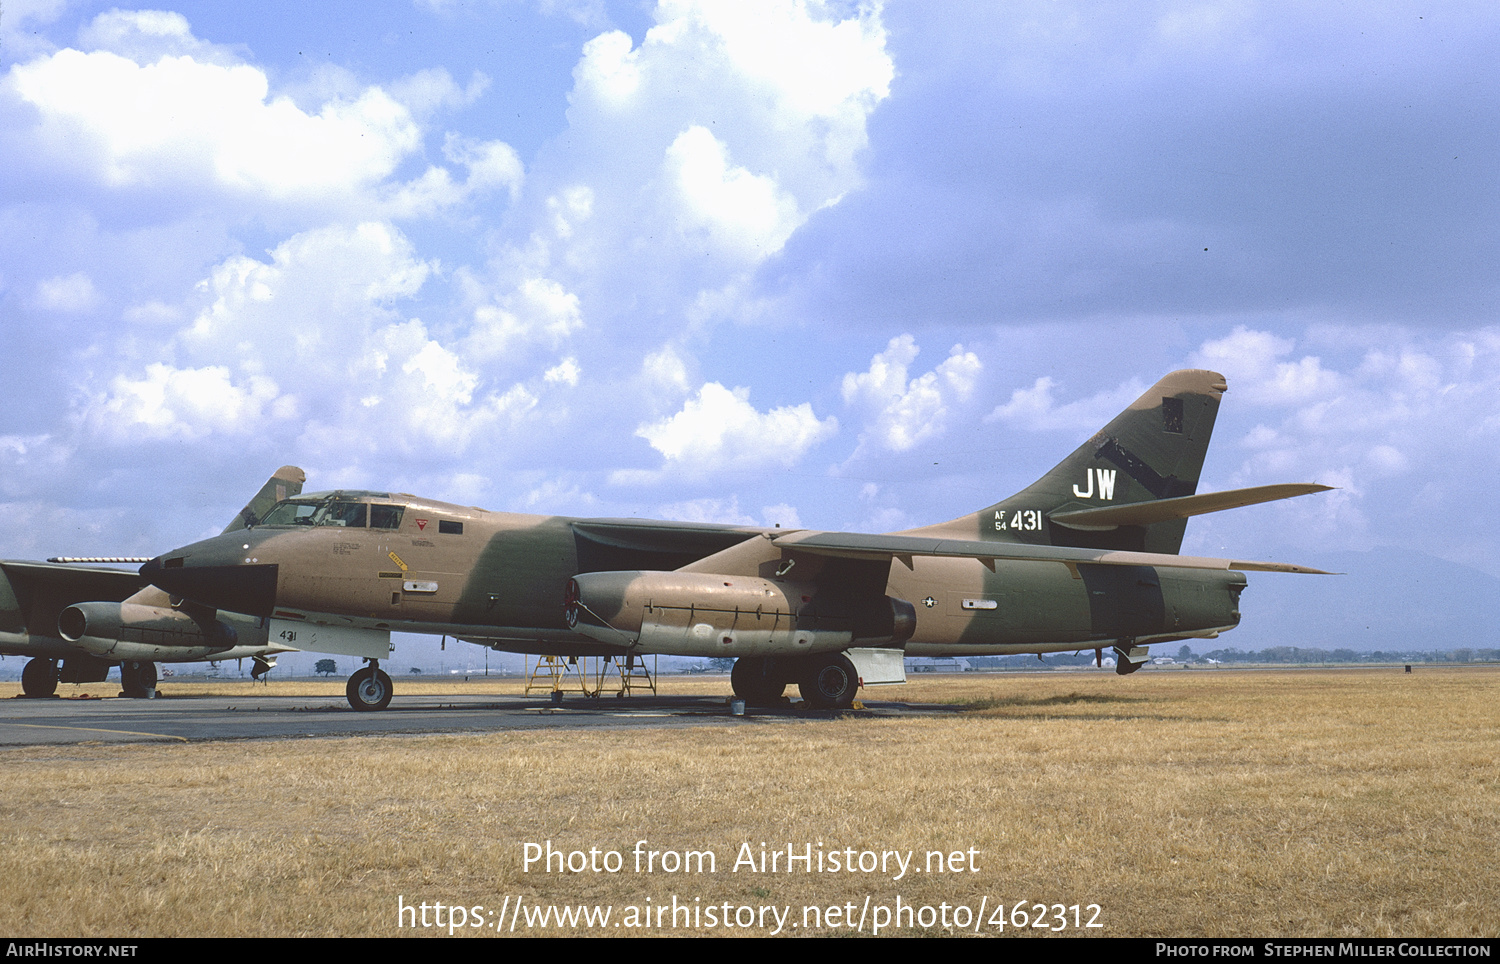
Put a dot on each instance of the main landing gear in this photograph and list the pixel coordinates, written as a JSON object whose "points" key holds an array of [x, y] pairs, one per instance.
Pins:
{"points": [[369, 689], [39, 678], [827, 681], [757, 680], [138, 679]]}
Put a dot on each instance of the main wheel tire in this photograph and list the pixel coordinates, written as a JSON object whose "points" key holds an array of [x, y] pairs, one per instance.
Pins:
{"points": [[368, 690], [39, 678], [757, 680], [137, 679], [830, 682]]}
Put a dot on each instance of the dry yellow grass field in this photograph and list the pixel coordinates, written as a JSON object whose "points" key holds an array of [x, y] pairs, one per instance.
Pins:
{"points": [[1277, 803]]}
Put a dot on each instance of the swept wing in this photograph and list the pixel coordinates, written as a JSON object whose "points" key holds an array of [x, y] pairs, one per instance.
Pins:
{"points": [[853, 545]]}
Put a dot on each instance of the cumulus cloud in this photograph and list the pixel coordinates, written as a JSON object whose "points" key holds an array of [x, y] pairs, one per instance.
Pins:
{"points": [[736, 208], [1251, 360], [316, 341], [1037, 408], [690, 158], [696, 154], [215, 123], [718, 431], [907, 412], [152, 106], [428, 90], [146, 36], [436, 397], [565, 372], [316, 299], [609, 69], [181, 403], [539, 310], [806, 66], [665, 370]]}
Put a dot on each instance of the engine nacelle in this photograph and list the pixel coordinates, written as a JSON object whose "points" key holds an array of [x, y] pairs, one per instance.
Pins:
{"points": [[137, 632], [706, 614]]}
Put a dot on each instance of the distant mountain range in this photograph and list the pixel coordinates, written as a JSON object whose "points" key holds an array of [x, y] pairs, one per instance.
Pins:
{"points": [[1386, 599]]}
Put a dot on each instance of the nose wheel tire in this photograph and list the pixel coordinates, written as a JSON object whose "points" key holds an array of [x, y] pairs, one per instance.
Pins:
{"points": [[368, 690], [830, 683]]}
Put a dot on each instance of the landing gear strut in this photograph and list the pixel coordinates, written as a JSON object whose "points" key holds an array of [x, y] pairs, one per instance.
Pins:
{"points": [[39, 678], [369, 689]]}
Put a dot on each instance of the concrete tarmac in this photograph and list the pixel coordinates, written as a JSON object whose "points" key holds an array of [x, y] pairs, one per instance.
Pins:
{"points": [[30, 722]]}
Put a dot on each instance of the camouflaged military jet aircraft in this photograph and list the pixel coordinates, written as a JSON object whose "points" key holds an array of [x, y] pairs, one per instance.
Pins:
{"points": [[1085, 558], [78, 622]]}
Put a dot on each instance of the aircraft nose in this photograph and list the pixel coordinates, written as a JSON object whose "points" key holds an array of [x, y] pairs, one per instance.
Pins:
{"points": [[217, 573]]}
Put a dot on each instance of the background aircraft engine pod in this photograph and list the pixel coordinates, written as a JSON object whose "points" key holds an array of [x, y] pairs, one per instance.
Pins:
{"points": [[707, 614], [135, 631]]}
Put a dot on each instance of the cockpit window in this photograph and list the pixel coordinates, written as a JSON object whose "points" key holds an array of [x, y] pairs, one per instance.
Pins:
{"points": [[349, 515], [385, 516], [339, 513], [290, 514]]}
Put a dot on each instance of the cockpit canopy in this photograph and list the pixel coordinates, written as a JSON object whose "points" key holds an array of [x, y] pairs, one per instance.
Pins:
{"points": [[347, 510]]}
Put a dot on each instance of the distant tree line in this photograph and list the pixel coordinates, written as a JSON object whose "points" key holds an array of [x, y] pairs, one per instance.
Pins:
{"points": [[1298, 654], [1286, 655]]}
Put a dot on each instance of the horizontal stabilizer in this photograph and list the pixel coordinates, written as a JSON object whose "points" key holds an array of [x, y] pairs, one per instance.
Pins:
{"points": [[850, 545], [1161, 510]]}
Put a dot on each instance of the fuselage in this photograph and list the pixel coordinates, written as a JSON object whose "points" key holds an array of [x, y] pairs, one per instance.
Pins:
{"points": [[394, 562]]}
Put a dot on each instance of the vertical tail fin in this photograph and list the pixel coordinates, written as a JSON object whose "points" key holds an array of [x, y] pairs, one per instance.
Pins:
{"points": [[1151, 451]]}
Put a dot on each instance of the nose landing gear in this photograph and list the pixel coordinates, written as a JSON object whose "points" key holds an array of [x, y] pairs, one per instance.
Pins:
{"points": [[369, 689]]}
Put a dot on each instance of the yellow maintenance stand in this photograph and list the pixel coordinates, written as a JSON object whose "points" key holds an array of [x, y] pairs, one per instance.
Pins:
{"points": [[587, 675]]}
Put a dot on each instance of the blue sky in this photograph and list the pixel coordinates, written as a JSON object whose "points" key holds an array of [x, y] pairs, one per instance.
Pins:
{"points": [[832, 265]]}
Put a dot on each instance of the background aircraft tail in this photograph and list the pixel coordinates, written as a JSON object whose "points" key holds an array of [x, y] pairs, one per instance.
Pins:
{"points": [[1152, 451], [284, 484]]}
